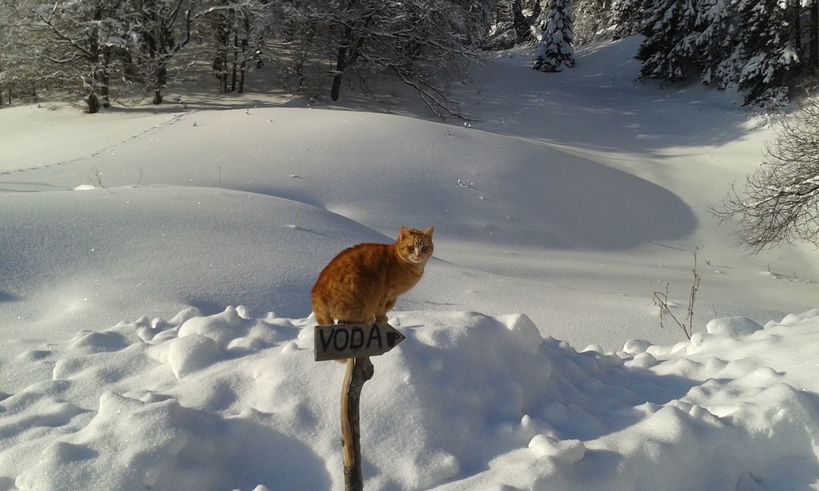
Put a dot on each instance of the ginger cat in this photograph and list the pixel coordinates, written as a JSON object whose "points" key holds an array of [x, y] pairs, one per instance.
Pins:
{"points": [[362, 283]]}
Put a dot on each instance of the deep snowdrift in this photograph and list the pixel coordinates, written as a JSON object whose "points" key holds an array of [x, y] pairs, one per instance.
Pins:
{"points": [[467, 402]]}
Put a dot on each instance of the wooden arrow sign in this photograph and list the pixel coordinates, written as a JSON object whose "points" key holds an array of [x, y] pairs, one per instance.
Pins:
{"points": [[340, 341]]}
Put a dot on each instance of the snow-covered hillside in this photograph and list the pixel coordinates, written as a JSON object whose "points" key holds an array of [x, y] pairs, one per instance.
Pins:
{"points": [[155, 271]]}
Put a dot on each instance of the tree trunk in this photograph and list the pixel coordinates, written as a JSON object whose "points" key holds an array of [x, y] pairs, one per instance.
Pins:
{"points": [[243, 65], [93, 102], [161, 75], [104, 77], [104, 92], [336, 88], [224, 70], [814, 35], [341, 56], [340, 62], [235, 67], [796, 10]]}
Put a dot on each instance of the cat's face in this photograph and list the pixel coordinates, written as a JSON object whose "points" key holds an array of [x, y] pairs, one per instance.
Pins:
{"points": [[415, 246]]}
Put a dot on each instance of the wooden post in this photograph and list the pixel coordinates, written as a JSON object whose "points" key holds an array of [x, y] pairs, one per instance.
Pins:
{"points": [[359, 370], [354, 343]]}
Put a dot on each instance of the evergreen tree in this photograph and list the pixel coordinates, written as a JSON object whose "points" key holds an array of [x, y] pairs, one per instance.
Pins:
{"points": [[757, 45], [718, 42], [670, 50], [555, 50], [510, 25], [592, 20], [767, 44], [627, 17]]}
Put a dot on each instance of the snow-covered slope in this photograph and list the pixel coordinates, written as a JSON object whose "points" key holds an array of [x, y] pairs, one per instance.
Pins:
{"points": [[126, 237], [525, 224]]}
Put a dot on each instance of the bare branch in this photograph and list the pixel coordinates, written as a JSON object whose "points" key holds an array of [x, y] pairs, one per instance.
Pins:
{"points": [[65, 38], [661, 301], [780, 201]]}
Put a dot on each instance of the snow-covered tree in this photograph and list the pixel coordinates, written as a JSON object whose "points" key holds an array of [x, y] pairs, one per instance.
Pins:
{"points": [[10, 50], [592, 20], [813, 35], [438, 40], [237, 31], [512, 23], [79, 41], [419, 42], [759, 46], [670, 50], [158, 30], [717, 42], [780, 202], [555, 50], [18, 40], [627, 17], [86, 42], [768, 43]]}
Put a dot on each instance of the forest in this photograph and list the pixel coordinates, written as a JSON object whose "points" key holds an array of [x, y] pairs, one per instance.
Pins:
{"points": [[99, 49]]}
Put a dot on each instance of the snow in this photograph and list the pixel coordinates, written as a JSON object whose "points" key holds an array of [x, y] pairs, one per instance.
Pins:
{"points": [[155, 270]]}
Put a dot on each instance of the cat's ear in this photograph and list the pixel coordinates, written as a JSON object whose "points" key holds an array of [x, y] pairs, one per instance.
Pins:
{"points": [[429, 231], [404, 232]]}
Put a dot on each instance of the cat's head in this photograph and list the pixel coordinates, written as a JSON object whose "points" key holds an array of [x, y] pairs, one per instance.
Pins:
{"points": [[415, 246]]}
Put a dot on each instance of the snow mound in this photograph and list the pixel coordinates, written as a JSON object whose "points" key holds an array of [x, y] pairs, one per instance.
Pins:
{"points": [[733, 326], [94, 255], [477, 186], [156, 443], [233, 401], [567, 451]]}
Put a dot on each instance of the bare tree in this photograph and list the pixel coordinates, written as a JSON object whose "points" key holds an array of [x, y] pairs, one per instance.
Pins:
{"points": [[85, 43], [9, 28], [159, 29], [237, 30], [780, 202], [22, 70], [71, 42], [419, 42], [422, 43]]}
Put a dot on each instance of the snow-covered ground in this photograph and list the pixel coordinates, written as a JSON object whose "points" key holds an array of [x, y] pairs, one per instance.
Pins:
{"points": [[155, 270]]}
